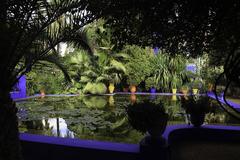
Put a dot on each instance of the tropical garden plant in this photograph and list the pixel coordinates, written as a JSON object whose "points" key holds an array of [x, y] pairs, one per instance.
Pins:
{"points": [[28, 35]]}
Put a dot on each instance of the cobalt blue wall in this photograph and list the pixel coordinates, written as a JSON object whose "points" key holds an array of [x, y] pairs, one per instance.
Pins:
{"points": [[21, 89]]}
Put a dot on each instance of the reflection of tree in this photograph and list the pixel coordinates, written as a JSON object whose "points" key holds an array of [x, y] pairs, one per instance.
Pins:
{"points": [[196, 107], [95, 101], [96, 122], [36, 126]]}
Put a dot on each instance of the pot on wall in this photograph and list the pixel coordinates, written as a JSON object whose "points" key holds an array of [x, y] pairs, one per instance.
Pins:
{"points": [[133, 88], [111, 88], [153, 90], [42, 92], [174, 91], [195, 90]]}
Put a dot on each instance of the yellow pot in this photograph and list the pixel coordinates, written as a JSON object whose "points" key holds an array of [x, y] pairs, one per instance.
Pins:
{"points": [[174, 90], [195, 91], [111, 88]]}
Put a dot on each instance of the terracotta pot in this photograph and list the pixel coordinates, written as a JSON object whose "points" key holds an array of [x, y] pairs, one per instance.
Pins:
{"points": [[111, 88], [133, 89], [42, 93]]}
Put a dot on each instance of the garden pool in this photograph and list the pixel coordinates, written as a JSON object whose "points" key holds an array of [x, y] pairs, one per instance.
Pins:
{"points": [[101, 117]]}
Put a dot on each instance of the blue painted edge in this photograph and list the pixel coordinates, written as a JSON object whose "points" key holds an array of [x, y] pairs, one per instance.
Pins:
{"points": [[112, 146], [89, 144]]}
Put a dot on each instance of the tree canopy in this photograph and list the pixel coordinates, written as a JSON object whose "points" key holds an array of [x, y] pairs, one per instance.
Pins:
{"points": [[30, 30]]}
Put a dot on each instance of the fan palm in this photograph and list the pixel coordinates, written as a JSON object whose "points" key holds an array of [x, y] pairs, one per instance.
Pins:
{"points": [[27, 36]]}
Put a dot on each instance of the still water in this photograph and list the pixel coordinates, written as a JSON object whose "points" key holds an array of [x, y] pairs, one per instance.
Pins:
{"points": [[101, 117]]}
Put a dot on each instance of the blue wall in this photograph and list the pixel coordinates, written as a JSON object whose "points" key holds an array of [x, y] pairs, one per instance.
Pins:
{"points": [[21, 90]]}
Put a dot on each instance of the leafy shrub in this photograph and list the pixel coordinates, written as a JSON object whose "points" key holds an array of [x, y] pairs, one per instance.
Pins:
{"points": [[95, 88]]}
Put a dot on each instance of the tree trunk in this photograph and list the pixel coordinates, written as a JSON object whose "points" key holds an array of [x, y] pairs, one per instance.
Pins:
{"points": [[9, 134]]}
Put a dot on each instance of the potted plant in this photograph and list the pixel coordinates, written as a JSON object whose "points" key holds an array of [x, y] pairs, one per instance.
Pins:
{"points": [[148, 117], [150, 84], [111, 88], [133, 85], [175, 83], [195, 86], [184, 89], [197, 107]]}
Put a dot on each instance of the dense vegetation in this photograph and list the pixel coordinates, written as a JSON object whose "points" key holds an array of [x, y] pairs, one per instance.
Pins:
{"points": [[145, 68]]}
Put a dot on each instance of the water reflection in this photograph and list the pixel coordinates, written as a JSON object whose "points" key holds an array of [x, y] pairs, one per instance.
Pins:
{"points": [[52, 126], [104, 117], [196, 107], [59, 127]]}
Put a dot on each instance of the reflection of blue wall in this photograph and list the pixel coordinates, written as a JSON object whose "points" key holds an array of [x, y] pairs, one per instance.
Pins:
{"points": [[192, 68], [155, 50], [20, 89]]}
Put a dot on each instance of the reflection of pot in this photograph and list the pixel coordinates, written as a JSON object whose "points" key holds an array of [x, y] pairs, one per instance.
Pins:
{"points": [[174, 98], [197, 119], [133, 98], [111, 101], [111, 88], [158, 127], [133, 89]]}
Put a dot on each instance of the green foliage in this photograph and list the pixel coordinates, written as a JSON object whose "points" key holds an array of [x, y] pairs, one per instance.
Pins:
{"points": [[95, 101], [185, 87], [95, 88], [51, 81], [138, 64], [197, 84], [150, 82]]}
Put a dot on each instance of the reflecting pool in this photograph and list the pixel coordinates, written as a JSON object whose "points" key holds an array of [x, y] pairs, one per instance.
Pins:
{"points": [[102, 117]]}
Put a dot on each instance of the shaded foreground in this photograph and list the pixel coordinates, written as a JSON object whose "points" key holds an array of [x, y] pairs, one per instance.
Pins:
{"points": [[182, 143]]}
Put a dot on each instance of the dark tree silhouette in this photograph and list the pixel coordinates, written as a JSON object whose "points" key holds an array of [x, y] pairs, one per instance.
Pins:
{"points": [[29, 32]]}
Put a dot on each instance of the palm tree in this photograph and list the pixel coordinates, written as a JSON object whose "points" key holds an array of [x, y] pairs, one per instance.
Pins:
{"points": [[105, 65], [26, 37]]}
